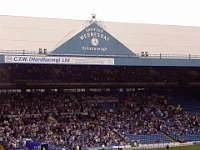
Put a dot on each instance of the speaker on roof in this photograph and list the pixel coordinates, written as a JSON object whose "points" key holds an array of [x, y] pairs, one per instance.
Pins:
{"points": [[142, 54], [146, 54], [40, 51], [45, 51]]}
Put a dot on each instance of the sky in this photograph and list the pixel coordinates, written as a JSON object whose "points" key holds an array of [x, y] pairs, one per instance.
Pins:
{"points": [[168, 12]]}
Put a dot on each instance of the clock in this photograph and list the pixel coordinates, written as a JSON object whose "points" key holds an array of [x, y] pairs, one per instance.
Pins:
{"points": [[95, 41]]}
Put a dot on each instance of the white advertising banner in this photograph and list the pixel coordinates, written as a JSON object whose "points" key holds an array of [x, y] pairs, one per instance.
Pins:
{"points": [[58, 60]]}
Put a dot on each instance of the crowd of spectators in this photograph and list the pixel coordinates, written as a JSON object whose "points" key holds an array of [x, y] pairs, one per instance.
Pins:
{"points": [[93, 73], [59, 119], [88, 119], [156, 114]]}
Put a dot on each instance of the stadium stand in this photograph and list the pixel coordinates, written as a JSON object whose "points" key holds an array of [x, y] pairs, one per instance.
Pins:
{"points": [[93, 92], [91, 120], [90, 73]]}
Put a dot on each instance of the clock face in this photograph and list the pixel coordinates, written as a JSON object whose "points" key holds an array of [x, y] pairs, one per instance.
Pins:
{"points": [[95, 41]]}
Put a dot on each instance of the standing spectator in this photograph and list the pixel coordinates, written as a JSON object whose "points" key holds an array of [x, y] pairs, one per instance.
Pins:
{"points": [[167, 147]]}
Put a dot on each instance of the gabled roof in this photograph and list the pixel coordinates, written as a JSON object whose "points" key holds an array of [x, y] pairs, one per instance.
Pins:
{"points": [[32, 33], [91, 40]]}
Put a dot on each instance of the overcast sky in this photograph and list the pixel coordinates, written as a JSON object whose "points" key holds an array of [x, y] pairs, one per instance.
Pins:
{"points": [[169, 12]]}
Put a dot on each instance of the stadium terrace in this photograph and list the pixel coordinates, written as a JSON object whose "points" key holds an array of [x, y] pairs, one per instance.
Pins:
{"points": [[90, 85]]}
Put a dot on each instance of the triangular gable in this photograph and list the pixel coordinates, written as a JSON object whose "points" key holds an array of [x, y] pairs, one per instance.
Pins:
{"points": [[69, 35], [93, 40]]}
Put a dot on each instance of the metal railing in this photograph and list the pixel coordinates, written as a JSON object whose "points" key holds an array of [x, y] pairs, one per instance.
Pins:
{"points": [[137, 55], [17, 52]]}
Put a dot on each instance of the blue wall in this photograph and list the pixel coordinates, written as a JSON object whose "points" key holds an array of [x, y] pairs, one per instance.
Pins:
{"points": [[157, 62], [93, 40]]}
